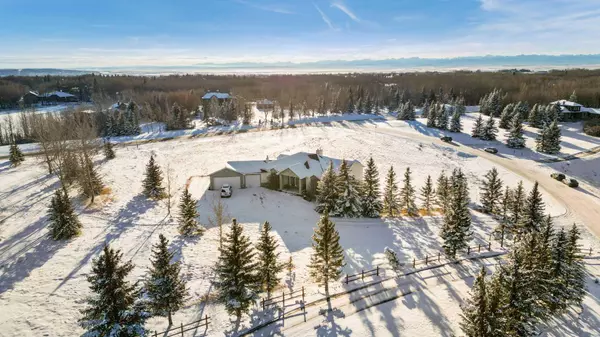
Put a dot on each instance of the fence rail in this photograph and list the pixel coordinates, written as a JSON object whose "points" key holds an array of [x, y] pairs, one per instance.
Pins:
{"points": [[275, 300], [362, 275], [183, 328], [438, 257]]}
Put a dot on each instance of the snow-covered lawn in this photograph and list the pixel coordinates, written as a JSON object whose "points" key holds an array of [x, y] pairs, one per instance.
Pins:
{"points": [[43, 283]]}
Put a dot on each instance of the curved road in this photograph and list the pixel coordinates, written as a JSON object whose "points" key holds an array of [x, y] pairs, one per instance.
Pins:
{"points": [[584, 207]]}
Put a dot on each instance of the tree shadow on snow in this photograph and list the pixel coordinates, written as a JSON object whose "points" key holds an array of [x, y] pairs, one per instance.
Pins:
{"points": [[258, 317], [330, 328]]}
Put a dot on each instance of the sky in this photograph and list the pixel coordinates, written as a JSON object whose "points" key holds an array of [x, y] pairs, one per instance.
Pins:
{"points": [[112, 33]]}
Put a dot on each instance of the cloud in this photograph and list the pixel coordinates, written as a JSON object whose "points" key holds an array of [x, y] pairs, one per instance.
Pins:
{"points": [[324, 17], [341, 6], [268, 8]]}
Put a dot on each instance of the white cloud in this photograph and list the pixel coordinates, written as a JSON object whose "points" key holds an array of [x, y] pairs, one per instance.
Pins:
{"points": [[341, 6], [325, 17], [268, 8]]}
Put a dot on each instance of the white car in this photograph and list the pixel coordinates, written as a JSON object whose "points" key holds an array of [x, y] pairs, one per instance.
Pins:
{"points": [[226, 191]]}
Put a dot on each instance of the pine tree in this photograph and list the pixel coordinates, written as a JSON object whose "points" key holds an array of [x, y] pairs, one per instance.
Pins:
{"points": [[490, 130], [457, 219], [64, 223], [478, 127], [517, 201], [455, 124], [522, 110], [532, 213], [494, 103], [432, 115], [535, 118], [153, 182], [371, 196], [164, 286], [425, 110], [442, 117], [475, 315], [428, 195], [506, 116], [552, 113], [576, 273], [188, 216], [89, 179], [560, 273], [109, 152], [237, 281], [115, 308], [573, 97], [515, 138], [407, 196], [390, 195], [443, 192], [327, 259], [349, 199], [548, 140], [15, 155], [460, 106], [491, 192], [268, 264], [327, 191]]}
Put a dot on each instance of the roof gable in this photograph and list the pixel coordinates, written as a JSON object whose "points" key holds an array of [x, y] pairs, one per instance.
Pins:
{"points": [[218, 95]]}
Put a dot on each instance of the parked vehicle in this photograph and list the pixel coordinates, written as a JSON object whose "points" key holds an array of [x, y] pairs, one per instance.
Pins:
{"points": [[492, 150], [571, 182], [446, 139], [558, 176], [226, 191]]}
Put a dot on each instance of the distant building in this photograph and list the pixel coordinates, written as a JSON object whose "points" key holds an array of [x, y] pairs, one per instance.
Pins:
{"points": [[265, 104], [573, 111], [214, 99], [58, 97], [30, 98]]}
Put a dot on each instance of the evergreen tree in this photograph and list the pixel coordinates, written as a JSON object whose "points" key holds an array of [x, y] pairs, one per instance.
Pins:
{"points": [[15, 155], [443, 192], [115, 308], [522, 110], [552, 113], [559, 273], [371, 196], [442, 117], [517, 201], [390, 195], [532, 213], [491, 192], [506, 116], [478, 127], [495, 104], [237, 281], [548, 140], [576, 273], [327, 191], [457, 219], [428, 195], [327, 259], [475, 315], [573, 97], [89, 179], [407, 196], [153, 181], [506, 203], [455, 124], [495, 292], [109, 152], [64, 223], [425, 110], [535, 117], [460, 106], [515, 138], [432, 115], [188, 216], [489, 130], [268, 264], [164, 286], [349, 199]]}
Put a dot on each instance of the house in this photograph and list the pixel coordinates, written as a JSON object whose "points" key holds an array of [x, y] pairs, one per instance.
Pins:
{"points": [[297, 173], [573, 111], [214, 99], [265, 104], [58, 96], [30, 98]]}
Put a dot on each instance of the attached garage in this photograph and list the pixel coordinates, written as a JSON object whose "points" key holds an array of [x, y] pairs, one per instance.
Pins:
{"points": [[225, 176], [252, 180]]}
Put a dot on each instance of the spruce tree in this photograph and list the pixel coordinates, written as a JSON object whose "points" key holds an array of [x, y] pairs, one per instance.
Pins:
{"points": [[327, 258], [428, 196], [443, 192], [153, 181], [237, 280], [64, 223], [506, 203], [478, 127], [522, 110], [506, 116], [532, 213], [560, 273], [475, 315], [188, 216], [165, 288], [535, 118], [109, 151], [573, 97], [371, 196], [349, 199], [552, 113], [327, 191], [391, 205], [517, 201], [455, 124], [115, 309], [442, 117], [457, 219], [515, 138], [425, 110], [460, 106], [432, 115], [268, 264], [407, 196], [89, 179], [576, 274], [490, 130], [15, 155], [548, 140], [491, 192]]}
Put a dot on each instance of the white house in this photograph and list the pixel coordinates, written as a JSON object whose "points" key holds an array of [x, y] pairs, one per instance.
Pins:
{"points": [[571, 110], [297, 173]]}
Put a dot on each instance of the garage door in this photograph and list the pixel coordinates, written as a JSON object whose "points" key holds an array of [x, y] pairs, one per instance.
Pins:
{"points": [[236, 182], [253, 180]]}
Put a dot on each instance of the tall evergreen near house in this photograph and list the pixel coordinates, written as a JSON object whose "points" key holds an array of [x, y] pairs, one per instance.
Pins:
{"points": [[506, 116], [552, 114], [327, 258], [109, 151], [428, 195], [15, 155], [517, 201], [475, 316], [153, 181], [576, 273], [491, 192], [457, 219], [573, 97], [115, 308], [237, 280], [548, 140], [478, 127], [432, 115], [188, 216], [515, 138], [349, 199], [165, 288], [443, 192], [490, 130], [455, 124], [327, 191], [64, 223], [371, 196], [407, 196], [535, 118], [268, 265], [391, 205], [532, 213]]}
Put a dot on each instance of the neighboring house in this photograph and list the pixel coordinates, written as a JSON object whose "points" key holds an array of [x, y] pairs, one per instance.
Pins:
{"points": [[572, 111], [214, 99], [58, 96], [265, 104], [31, 98], [296, 173]]}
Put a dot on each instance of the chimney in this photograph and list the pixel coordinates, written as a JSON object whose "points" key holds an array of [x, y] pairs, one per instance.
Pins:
{"points": [[319, 152]]}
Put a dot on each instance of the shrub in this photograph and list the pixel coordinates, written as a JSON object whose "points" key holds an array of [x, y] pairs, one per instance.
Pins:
{"points": [[592, 127]]}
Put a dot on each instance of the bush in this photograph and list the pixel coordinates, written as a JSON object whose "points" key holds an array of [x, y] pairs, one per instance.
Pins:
{"points": [[592, 127]]}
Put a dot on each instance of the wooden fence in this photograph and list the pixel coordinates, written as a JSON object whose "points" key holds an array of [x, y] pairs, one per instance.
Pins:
{"points": [[438, 257], [183, 328], [274, 300], [362, 275]]}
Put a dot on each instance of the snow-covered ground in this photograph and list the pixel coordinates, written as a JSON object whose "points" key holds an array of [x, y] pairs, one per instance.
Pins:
{"points": [[43, 283]]}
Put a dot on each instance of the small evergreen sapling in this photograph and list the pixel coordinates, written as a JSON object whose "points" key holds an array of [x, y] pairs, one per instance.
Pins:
{"points": [[407, 196], [391, 205], [491, 192], [455, 124], [109, 151], [443, 192], [153, 181], [64, 223], [89, 179], [428, 196], [327, 259], [371, 196], [15, 155], [188, 216], [268, 264]]}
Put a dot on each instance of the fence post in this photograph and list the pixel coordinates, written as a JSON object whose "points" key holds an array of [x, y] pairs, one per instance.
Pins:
{"points": [[479, 248], [469, 250], [182, 329], [362, 274], [302, 294], [263, 304], [346, 278], [155, 333], [490, 246], [439, 257], [590, 251], [414, 262], [426, 259], [206, 318], [283, 301], [377, 270]]}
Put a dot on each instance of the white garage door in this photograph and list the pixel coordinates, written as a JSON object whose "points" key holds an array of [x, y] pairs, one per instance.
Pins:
{"points": [[235, 182], [253, 180]]}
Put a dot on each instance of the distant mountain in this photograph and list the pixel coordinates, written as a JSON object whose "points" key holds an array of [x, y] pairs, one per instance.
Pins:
{"points": [[42, 72]]}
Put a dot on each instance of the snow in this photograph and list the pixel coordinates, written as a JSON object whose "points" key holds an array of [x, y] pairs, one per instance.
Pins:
{"points": [[43, 283], [219, 95]]}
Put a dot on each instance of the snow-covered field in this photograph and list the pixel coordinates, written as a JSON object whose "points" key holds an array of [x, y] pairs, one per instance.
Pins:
{"points": [[43, 283]]}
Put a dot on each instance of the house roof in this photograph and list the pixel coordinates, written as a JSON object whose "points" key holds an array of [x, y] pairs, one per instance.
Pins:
{"points": [[564, 102], [59, 94], [219, 95], [33, 93], [264, 101]]}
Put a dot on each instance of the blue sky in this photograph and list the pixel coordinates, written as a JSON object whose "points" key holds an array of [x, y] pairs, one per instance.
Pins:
{"points": [[68, 33]]}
